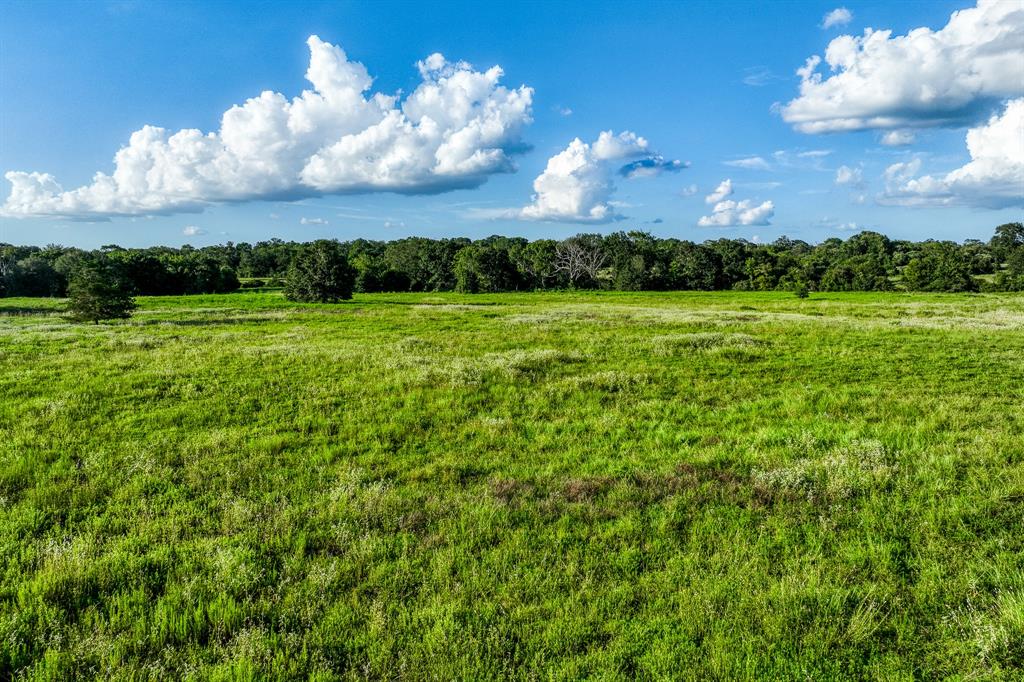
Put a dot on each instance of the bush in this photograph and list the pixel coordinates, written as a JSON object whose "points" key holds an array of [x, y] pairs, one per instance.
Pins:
{"points": [[97, 291], [320, 273]]}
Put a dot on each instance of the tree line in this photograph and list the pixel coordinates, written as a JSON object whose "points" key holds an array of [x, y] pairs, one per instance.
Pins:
{"points": [[624, 261]]}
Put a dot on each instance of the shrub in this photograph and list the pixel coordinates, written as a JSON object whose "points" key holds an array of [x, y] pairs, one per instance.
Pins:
{"points": [[98, 292]]}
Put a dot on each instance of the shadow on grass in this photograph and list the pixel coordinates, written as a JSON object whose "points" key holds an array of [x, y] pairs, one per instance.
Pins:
{"points": [[213, 322], [424, 304], [28, 310]]}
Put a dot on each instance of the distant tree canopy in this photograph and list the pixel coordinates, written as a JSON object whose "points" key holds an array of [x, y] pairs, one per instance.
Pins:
{"points": [[156, 271], [627, 261], [320, 273]]}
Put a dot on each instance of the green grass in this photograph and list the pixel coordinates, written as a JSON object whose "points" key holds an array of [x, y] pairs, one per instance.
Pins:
{"points": [[565, 486]]}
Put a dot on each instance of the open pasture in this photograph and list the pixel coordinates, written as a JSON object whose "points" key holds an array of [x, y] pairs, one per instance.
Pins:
{"points": [[535, 486]]}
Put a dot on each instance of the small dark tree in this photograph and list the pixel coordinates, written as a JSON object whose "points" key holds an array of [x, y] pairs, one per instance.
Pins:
{"points": [[98, 292], [320, 273]]}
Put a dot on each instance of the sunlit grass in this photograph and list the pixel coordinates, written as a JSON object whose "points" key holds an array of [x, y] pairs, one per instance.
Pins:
{"points": [[616, 485]]}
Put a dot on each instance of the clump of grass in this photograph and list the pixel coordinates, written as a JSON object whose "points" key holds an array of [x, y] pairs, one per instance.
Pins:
{"points": [[675, 344], [529, 363], [449, 371], [119, 343], [434, 369], [510, 490], [993, 636], [843, 473], [608, 381], [415, 344]]}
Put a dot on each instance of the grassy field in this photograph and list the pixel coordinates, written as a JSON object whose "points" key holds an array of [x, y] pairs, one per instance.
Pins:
{"points": [[565, 486]]}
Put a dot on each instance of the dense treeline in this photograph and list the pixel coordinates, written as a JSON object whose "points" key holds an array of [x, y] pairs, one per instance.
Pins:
{"points": [[629, 261]]}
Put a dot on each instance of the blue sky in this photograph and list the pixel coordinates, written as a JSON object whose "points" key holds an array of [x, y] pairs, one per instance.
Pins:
{"points": [[704, 83]]}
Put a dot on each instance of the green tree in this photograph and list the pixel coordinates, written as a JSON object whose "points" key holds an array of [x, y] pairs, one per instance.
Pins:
{"points": [[1012, 278], [981, 256], [1008, 238], [482, 268], [535, 263], [428, 264], [857, 273], [939, 266], [97, 291], [731, 257], [34, 276], [320, 273], [692, 267], [635, 261]]}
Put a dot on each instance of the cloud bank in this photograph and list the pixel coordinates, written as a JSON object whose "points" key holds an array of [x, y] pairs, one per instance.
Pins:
{"points": [[458, 127], [994, 177], [578, 182], [949, 77]]}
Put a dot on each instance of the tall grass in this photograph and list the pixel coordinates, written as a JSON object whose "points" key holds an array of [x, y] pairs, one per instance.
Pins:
{"points": [[684, 486]]}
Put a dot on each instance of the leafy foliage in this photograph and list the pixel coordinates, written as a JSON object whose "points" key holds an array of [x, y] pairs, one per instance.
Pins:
{"points": [[622, 261], [98, 292], [484, 268], [320, 273], [939, 266]]}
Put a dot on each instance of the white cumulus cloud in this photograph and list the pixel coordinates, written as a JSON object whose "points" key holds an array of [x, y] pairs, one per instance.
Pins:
{"points": [[578, 182], [193, 231], [848, 175], [993, 178], [840, 16], [727, 213], [456, 128], [947, 77], [723, 190], [898, 138]]}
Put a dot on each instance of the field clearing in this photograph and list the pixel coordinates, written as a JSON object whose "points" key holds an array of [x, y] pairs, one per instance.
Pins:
{"points": [[560, 486]]}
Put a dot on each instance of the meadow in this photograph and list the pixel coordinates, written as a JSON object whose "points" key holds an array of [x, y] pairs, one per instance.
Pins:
{"points": [[515, 486]]}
